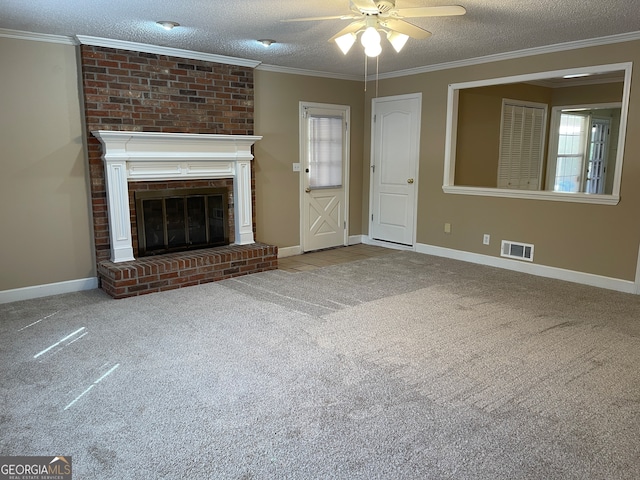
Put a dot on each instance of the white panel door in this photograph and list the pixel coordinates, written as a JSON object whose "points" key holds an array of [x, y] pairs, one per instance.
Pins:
{"points": [[394, 171], [324, 159]]}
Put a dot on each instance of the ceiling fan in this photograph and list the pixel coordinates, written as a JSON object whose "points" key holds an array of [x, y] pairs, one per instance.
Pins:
{"points": [[375, 16]]}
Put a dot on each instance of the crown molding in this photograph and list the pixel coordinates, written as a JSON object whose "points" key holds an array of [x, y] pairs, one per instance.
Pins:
{"points": [[172, 52], [209, 57], [527, 52], [38, 37], [308, 73]]}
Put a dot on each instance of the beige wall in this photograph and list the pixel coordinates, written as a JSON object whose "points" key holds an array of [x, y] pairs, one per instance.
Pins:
{"points": [[598, 239], [586, 94], [277, 98], [44, 199]]}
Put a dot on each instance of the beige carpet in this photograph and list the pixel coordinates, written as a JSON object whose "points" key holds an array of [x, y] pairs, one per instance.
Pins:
{"points": [[403, 366]]}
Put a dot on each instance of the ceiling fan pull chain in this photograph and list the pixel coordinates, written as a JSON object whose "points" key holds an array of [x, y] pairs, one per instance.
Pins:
{"points": [[365, 72], [377, 70]]}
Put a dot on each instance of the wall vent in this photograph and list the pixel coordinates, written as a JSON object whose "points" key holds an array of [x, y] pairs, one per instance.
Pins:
{"points": [[521, 251]]}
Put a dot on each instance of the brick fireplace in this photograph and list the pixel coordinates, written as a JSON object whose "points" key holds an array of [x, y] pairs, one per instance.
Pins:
{"points": [[158, 121]]}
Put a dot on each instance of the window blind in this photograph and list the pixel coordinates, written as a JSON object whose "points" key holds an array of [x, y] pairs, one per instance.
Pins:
{"points": [[325, 151], [521, 147]]}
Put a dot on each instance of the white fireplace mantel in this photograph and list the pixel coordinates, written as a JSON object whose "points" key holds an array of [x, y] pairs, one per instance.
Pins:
{"points": [[131, 156]]}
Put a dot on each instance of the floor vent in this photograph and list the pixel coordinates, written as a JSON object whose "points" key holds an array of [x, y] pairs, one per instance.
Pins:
{"points": [[521, 251]]}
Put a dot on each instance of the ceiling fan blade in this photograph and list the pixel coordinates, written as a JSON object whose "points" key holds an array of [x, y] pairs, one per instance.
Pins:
{"points": [[351, 28], [428, 11], [313, 19], [401, 26], [368, 6]]}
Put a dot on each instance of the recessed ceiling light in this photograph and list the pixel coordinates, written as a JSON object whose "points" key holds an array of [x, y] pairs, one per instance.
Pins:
{"points": [[168, 25], [267, 42]]}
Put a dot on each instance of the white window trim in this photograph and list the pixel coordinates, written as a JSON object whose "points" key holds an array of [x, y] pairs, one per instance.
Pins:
{"points": [[451, 134]]}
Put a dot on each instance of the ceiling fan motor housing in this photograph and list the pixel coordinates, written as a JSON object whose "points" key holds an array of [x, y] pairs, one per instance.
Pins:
{"points": [[385, 5]]}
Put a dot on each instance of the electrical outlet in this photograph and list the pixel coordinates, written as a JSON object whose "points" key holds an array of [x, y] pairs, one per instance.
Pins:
{"points": [[486, 239], [447, 228], [296, 167]]}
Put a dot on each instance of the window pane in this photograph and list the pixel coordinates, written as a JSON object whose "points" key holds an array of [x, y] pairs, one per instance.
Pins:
{"points": [[325, 151], [571, 152]]}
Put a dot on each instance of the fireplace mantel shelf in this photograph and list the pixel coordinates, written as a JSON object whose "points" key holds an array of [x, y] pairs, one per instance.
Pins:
{"points": [[131, 156]]}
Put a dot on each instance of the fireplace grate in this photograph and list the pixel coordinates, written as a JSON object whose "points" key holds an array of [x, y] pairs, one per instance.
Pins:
{"points": [[181, 219]]}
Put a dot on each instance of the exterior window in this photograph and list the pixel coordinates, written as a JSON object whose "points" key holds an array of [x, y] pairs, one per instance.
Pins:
{"points": [[572, 146]]}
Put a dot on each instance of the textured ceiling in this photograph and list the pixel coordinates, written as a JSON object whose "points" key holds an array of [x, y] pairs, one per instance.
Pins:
{"points": [[232, 28]]}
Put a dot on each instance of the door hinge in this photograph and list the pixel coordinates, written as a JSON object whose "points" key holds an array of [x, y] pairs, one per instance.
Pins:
{"points": [[372, 217], [375, 118], [373, 168], [345, 224]]}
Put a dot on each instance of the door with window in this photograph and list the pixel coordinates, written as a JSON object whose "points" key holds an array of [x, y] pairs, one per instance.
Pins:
{"points": [[324, 142], [598, 150]]}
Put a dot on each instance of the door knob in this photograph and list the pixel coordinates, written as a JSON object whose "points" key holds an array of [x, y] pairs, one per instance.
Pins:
{"points": [[409, 180], [307, 189]]}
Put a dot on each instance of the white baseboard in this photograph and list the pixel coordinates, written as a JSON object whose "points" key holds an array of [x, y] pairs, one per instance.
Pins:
{"points": [[289, 251], [297, 249], [355, 239], [39, 291], [609, 283]]}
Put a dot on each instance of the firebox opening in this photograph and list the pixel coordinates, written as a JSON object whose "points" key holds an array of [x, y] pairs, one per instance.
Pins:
{"points": [[181, 219]]}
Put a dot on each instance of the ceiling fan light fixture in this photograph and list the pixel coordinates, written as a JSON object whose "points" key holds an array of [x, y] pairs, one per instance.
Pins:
{"points": [[397, 39], [370, 38], [167, 24], [345, 42], [266, 42], [373, 50]]}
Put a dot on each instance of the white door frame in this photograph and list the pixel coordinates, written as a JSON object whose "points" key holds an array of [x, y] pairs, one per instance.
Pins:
{"points": [[637, 279], [370, 239], [346, 163]]}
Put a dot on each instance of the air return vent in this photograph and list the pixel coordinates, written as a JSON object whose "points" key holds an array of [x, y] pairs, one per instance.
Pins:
{"points": [[521, 251]]}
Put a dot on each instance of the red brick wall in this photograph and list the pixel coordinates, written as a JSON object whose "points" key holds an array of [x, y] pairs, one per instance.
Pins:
{"points": [[136, 91]]}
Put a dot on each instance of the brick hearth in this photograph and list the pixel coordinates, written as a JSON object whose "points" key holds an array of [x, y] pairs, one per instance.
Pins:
{"points": [[184, 269]]}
